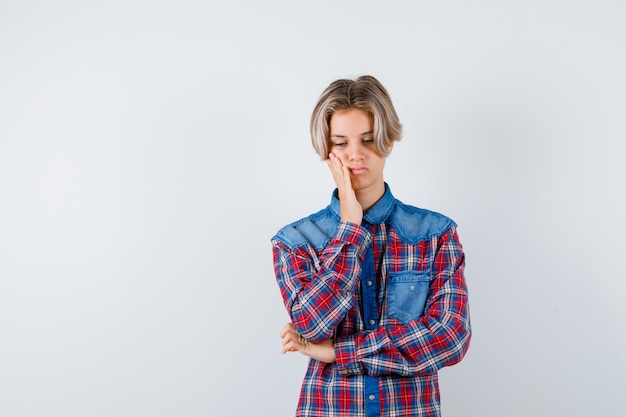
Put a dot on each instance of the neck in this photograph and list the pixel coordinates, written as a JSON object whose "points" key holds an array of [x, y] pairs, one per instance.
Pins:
{"points": [[368, 197]]}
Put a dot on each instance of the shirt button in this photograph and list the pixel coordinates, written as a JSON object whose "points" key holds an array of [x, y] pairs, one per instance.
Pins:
{"points": [[372, 321], [372, 397], [369, 283], [412, 287]]}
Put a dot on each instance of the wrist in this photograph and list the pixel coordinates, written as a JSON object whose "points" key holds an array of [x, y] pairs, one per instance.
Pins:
{"points": [[351, 217]]}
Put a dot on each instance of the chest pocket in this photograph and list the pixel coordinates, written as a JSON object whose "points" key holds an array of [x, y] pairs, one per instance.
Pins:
{"points": [[406, 295]]}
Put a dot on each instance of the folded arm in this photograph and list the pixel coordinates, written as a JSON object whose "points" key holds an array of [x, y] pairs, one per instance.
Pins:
{"points": [[439, 338], [318, 291]]}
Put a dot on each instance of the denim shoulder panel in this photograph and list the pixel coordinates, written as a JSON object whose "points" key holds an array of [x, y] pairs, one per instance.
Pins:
{"points": [[315, 230], [415, 224]]}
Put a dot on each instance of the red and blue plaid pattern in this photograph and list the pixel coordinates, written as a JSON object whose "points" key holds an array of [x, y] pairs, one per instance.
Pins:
{"points": [[322, 292]]}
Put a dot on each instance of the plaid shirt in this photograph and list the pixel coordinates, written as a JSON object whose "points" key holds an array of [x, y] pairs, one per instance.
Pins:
{"points": [[389, 292]]}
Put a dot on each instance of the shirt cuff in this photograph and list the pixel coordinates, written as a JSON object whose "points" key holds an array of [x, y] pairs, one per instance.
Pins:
{"points": [[354, 234], [346, 356]]}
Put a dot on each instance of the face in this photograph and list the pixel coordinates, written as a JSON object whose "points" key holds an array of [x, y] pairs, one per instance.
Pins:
{"points": [[352, 141]]}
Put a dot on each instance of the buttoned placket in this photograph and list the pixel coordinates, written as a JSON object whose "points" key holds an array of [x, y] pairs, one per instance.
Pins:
{"points": [[369, 297]]}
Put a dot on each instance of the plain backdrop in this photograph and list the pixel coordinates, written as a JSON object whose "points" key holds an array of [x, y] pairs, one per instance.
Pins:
{"points": [[149, 150]]}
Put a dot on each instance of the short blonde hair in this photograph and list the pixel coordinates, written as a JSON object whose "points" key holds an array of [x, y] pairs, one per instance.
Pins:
{"points": [[364, 93]]}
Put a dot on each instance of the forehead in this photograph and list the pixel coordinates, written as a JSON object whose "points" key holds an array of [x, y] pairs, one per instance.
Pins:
{"points": [[350, 121]]}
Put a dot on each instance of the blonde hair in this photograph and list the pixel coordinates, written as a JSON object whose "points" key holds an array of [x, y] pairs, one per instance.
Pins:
{"points": [[365, 93]]}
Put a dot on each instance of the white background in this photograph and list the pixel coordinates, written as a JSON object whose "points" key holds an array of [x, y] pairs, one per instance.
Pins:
{"points": [[150, 149]]}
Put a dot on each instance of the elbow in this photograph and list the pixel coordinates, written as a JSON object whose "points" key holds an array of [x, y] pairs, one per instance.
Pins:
{"points": [[313, 331], [311, 326], [318, 321], [460, 343]]}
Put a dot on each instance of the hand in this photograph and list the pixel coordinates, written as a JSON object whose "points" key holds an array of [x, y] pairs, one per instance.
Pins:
{"points": [[294, 342], [351, 209]]}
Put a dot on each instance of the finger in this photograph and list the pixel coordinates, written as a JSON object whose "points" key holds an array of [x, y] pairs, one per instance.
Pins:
{"points": [[334, 160], [290, 334], [332, 164], [292, 346], [288, 338], [346, 176], [340, 173], [340, 169], [286, 328]]}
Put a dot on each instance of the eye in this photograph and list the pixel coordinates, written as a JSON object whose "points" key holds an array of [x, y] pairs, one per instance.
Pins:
{"points": [[368, 141], [339, 144]]}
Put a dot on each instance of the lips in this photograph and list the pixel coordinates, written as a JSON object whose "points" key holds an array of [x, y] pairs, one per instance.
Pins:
{"points": [[358, 170]]}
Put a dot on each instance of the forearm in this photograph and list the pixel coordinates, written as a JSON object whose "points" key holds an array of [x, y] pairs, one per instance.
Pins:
{"points": [[324, 351], [439, 337], [294, 342], [421, 347], [319, 291], [318, 310]]}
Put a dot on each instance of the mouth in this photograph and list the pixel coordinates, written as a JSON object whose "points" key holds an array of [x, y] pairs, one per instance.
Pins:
{"points": [[358, 170]]}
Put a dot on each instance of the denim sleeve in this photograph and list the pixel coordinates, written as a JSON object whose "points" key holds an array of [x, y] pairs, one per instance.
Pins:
{"points": [[439, 338], [318, 290]]}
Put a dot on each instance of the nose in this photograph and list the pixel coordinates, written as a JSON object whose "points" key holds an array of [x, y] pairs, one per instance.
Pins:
{"points": [[355, 151]]}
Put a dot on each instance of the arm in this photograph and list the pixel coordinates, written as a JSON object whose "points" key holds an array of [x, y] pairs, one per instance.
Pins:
{"points": [[294, 342], [318, 299], [439, 338], [318, 293]]}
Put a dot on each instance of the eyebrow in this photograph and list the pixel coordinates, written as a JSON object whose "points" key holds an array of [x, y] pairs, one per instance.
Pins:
{"points": [[369, 132]]}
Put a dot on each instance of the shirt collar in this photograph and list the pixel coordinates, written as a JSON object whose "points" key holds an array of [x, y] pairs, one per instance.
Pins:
{"points": [[377, 214]]}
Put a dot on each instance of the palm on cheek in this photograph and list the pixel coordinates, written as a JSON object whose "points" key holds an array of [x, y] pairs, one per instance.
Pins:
{"points": [[351, 210]]}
